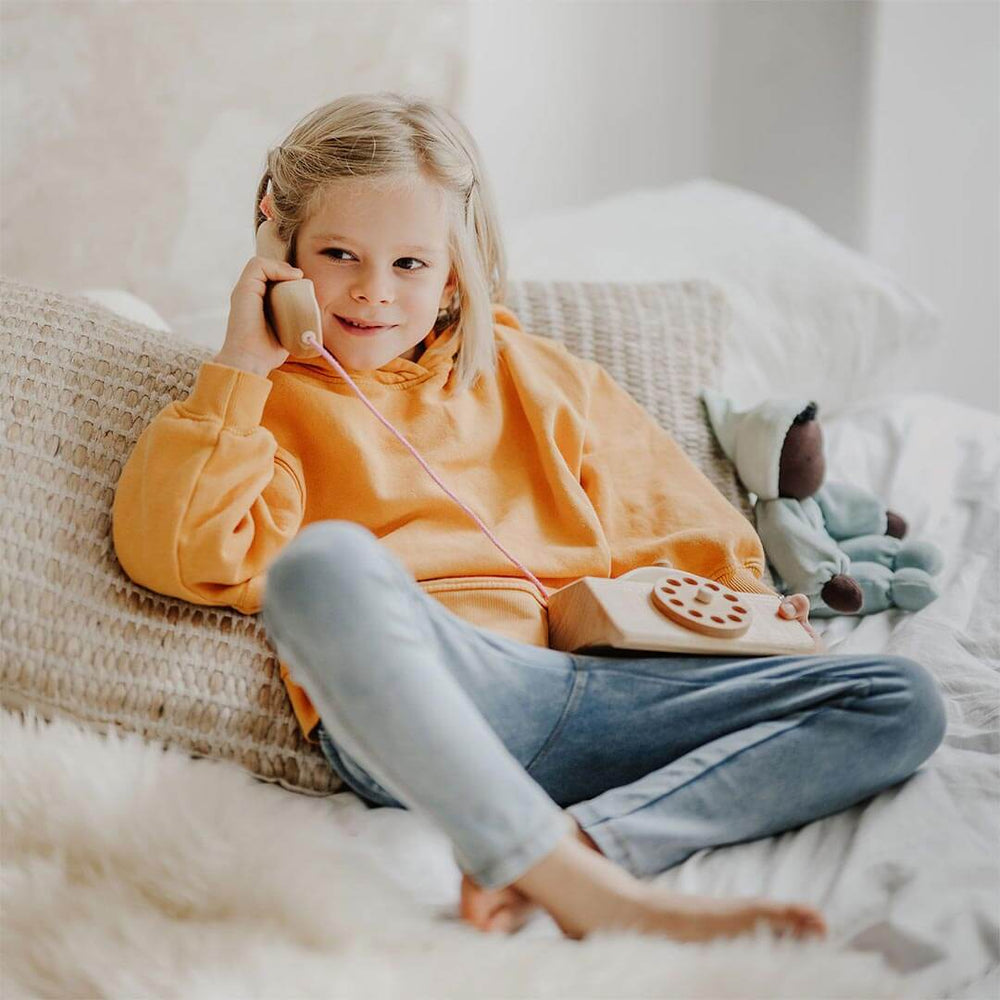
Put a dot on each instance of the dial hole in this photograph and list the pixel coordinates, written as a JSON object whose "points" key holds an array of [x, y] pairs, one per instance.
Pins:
{"points": [[688, 579], [679, 604], [729, 597], [742, 611], [716, 618], [734, 618], [668, 590], [674, 583], [712, 586], [696, 614]]}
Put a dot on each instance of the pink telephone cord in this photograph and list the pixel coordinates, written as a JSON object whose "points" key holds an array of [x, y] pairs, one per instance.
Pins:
{"points": [[310, 338]]}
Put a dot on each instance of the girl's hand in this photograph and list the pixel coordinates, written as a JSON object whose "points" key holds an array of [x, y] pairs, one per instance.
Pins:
{"points": [[250, 342], [797, 607]]}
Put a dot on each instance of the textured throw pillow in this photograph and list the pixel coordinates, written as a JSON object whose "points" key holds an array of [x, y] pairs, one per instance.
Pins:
{"points": [[80, 639]]}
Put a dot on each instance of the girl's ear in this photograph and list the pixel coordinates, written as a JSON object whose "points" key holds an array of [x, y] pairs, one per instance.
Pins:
{"points": [[449, 289]]}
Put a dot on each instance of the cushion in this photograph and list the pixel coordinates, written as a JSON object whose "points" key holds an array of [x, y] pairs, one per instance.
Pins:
{"points": [[811, 316], [81, 640], [126, 304]]}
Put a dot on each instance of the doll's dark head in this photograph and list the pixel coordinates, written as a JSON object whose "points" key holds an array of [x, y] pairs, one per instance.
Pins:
{"points": [[802, 466]]}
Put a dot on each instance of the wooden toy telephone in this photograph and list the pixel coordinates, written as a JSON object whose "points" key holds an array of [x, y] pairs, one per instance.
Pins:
{"points": [[661, 609], [289, 306], [655, 608]]}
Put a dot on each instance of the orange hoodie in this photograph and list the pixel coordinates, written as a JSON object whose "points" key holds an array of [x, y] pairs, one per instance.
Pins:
{"points": [[571, 474]]}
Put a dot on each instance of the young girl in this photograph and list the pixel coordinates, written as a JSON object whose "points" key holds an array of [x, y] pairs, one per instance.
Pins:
{"points": [[417, 648]]}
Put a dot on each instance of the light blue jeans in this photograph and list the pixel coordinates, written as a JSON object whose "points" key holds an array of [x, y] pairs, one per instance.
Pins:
{"points": [[655, 756]]}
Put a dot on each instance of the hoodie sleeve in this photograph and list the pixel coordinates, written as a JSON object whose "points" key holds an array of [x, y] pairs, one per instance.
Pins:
{"points": [[654, 502], [207, 499]]}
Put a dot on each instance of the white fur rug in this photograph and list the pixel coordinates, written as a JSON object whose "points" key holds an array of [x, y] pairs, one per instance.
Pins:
{"points": [[129, 871]]}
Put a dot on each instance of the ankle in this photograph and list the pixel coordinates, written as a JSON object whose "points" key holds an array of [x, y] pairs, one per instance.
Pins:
{"points": [[569, 869], [582, 889]]}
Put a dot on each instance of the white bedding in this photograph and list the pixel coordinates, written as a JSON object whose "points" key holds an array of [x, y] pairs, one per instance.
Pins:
{"points": [[914, 873]]}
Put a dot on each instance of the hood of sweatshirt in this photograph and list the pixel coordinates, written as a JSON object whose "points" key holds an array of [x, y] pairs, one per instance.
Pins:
{"points": [[438, 358]]}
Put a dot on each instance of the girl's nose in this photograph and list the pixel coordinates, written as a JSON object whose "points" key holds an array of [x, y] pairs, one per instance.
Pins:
{"points": [[373, 288]]}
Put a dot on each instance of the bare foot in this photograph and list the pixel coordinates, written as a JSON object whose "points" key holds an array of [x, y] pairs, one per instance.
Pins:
{"points": [[701, 918], [502, 910], [585, 892]]}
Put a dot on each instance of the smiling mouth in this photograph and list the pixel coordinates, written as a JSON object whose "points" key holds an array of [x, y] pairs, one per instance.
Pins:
{"points": [[360, 331]]}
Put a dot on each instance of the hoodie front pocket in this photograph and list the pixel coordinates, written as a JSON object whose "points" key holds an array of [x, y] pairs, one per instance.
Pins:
{"points": [[501, 604]]}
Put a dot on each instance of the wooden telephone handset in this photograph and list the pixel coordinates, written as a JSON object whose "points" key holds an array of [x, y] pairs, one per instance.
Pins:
{"points": [[290, 307]]}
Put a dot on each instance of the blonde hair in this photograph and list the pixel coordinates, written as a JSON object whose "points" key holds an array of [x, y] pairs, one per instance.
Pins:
{"points": [[387, 137]]}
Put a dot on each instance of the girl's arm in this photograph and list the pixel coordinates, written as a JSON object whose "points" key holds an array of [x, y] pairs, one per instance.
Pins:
{"points": [[207, 499]]}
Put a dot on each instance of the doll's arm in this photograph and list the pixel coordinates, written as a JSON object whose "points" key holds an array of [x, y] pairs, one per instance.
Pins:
{"points": [[850, 511]]}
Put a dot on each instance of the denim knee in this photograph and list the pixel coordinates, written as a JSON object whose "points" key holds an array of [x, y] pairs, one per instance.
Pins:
{"points": [[319, 566], [924, 718]]}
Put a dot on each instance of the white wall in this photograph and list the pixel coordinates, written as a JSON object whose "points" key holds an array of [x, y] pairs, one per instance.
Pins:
{"points": [[789, 87], [933, 215], [573, 101]]}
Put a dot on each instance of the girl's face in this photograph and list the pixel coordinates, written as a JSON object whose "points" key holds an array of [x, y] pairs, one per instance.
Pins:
{"points": [[378, 254]]}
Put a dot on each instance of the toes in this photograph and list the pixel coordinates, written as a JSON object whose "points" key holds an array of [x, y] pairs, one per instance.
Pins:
{"points": [[505, 921], [800, 922], [497, 923], [493, 911], [809, 921], [475, 905], [506, 918]]}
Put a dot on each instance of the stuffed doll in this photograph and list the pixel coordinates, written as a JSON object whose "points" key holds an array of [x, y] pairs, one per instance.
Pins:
{"points": [[834, 542]]}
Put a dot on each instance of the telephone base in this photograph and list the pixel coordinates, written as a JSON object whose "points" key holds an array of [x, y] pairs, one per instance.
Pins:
{"points": [[594, 612]]}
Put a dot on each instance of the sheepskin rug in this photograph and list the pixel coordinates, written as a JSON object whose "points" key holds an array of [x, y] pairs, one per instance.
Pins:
{"points": [[133, 871]]}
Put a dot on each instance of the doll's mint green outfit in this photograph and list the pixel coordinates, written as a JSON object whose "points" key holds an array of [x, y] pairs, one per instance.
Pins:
{"points": [[839, 530]]}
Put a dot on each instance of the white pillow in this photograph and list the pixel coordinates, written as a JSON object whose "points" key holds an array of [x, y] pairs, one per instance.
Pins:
{"points": [[128, 305], [811, 317]]}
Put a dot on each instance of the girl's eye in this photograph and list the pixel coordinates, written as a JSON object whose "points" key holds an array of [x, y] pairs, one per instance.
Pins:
{"points": [[335, 250]]}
